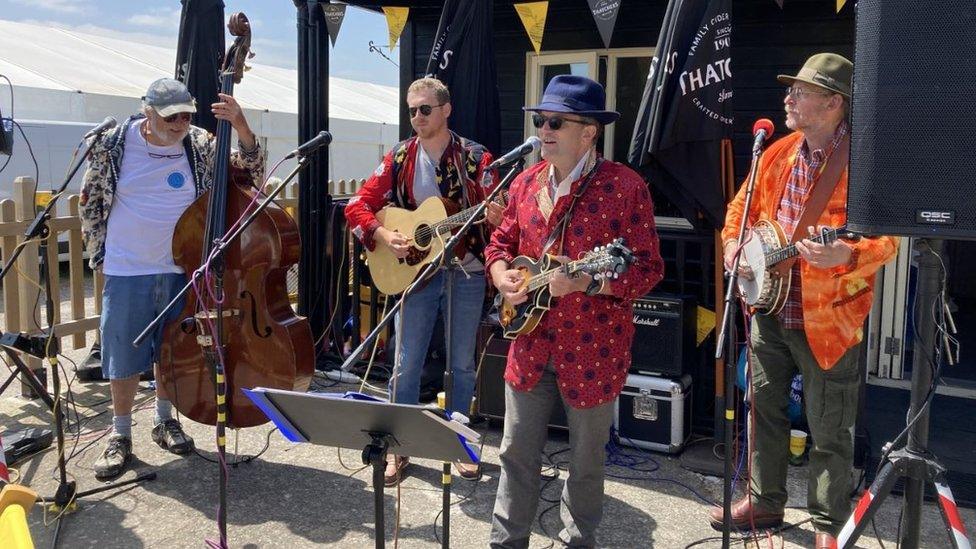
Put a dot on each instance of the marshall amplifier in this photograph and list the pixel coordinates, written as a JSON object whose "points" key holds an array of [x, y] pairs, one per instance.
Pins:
{"points": [[664, 335]]}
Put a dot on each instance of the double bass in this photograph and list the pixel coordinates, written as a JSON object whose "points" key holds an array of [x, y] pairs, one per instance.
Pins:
{"points": [[244, 300]]}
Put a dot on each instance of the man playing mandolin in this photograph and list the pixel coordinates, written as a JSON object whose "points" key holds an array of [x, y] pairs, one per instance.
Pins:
{"points": [[578, 355], [436, 162], [141, 177], [818, 331]]}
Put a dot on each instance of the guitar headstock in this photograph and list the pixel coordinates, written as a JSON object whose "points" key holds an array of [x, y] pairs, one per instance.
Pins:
{"points": [[608, 261]]}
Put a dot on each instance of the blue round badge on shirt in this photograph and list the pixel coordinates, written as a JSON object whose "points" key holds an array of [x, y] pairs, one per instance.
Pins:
{"points": [[176, 180]]}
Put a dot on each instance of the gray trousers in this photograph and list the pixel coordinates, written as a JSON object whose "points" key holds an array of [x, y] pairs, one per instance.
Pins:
{"points": [[526, 418]]}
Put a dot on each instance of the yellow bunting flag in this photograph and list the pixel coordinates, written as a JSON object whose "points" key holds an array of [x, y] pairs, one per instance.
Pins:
{"points": [[705, 322], [396, 19], [840, 5], [533, 16]]}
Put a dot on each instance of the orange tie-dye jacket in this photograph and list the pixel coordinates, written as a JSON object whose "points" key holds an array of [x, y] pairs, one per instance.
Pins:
{"points": [[837, 300]]}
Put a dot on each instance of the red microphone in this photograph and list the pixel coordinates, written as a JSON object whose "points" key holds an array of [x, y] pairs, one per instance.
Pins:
{"points": [[761, 130]]}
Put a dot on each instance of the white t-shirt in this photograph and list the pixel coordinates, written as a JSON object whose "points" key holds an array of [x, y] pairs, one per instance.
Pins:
{"points": [[155, 187], [425, 186]]}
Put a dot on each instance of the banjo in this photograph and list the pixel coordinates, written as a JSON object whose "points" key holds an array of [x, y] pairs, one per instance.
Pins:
{"points": [[765, 250]]}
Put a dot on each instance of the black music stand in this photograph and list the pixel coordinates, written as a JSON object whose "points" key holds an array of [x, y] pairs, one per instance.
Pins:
{"points": [[370, 425]]}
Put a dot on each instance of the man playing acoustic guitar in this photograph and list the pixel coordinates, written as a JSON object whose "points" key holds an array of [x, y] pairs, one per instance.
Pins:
{"points": [[818, 331], [578, 355], [435, 162]]}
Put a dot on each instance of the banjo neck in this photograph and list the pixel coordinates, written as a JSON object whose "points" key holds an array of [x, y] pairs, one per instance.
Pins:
{"points": [[826, 236]]}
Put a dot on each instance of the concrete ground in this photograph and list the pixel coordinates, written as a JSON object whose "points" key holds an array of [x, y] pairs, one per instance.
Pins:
{"points": [[299, 495]]}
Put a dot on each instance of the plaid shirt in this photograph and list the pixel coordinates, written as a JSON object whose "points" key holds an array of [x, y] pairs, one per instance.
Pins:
{"points": [[806, 170]]}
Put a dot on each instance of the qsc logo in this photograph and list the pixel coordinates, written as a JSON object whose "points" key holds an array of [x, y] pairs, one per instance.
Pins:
{"points": [[935, 217]]}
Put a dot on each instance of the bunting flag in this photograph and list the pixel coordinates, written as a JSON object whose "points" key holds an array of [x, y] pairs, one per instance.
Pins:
{"points": [[605, 15], [686, 108], [396, 19], [840, 5], [463, 57], [334, 14], [533, 16], [779, 3]]}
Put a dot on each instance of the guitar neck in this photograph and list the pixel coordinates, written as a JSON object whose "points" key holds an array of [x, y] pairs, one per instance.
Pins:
{"points": [[463, 216], [786, 252]]}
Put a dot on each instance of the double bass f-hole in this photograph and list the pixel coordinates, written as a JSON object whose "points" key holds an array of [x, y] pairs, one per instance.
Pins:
{"points": [[266, 332]]}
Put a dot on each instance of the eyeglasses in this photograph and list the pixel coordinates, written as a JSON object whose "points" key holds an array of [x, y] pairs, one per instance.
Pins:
{"points": [[555, 122], [178, 116], [169, 156], [424, 109], [797, 94]]}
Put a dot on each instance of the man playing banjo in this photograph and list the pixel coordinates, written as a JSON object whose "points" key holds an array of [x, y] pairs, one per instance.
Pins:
{"points": [[817, 330]]}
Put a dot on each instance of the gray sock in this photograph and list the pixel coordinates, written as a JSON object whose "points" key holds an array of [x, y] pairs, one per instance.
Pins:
{"points": [[164, 410], [123, 425]]}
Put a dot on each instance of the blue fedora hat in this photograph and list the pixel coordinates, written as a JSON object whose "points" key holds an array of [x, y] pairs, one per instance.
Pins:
{"points": [[578, 95]]}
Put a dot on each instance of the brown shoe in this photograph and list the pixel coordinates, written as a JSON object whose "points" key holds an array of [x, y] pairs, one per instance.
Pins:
{"points": [[395, 470], [746, 516], [825, 541], [469, 471]]}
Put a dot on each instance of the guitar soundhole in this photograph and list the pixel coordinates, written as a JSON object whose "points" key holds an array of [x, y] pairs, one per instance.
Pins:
{"points": [[422, 236]]}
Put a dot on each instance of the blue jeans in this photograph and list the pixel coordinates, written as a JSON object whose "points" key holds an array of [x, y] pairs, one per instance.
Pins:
{"points": [[420, 311], [129, 304]]}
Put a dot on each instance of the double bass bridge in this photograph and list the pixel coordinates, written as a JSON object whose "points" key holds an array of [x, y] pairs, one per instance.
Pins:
{"points": [[206, 318]]}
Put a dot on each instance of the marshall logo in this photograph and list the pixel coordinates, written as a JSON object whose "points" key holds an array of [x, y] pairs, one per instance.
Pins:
{"points": [[647, 321], [935, 217]]}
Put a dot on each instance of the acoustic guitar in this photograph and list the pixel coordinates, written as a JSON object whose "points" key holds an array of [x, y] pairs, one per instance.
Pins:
{"points": [[427, 228]]}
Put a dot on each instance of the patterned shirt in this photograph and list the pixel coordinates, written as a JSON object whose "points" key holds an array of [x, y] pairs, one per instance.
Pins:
{"points": [[105, 163], [586, 338], [806, 170], [461, 175]]}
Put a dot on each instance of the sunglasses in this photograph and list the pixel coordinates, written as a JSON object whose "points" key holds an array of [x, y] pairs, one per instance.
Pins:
{"points": [[178, 116], [555, 122], [424, 109]]}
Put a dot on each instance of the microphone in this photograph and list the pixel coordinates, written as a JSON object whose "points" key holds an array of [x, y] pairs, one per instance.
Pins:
{"points": [[321, 140], [106, 124], [530, 146], [761, 130]]}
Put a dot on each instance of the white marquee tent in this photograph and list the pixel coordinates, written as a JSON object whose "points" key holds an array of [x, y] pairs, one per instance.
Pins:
{"points": [[65, 81]]}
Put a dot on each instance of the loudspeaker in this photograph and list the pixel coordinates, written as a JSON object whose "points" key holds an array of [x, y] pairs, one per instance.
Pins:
{"points": [[664, 335], [912, 141], [491, 378]]}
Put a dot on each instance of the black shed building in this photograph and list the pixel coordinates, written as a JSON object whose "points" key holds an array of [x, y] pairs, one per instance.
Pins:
{"points": [[767, 41]]}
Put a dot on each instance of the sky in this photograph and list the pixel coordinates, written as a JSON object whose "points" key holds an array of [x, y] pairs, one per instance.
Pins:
{"points": [[273, 28]]}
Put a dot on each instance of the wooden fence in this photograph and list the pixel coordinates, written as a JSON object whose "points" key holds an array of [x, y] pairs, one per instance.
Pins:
{"points": [[23, 302]]}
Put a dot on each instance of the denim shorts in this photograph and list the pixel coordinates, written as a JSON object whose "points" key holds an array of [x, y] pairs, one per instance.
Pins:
{"points": [[129, 304]]}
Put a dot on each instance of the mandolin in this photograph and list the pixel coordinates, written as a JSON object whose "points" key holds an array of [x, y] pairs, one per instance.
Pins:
{"points": [[607, 262]]}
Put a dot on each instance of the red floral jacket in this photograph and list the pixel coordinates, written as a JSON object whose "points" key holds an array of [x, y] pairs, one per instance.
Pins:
{"points": [[587, 338], [463, 179]]}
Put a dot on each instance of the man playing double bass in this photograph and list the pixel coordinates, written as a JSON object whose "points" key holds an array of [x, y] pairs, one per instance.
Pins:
{"points": [[141, 177]]}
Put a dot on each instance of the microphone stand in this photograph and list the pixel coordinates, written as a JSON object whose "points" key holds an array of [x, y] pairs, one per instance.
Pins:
{"points": [[48, 346], [421, 279], [220, 246], [730, 363]]}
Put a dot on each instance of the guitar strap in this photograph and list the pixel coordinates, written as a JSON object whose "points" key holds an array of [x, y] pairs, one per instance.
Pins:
{"points": [[560, 231], [823, 188]]}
